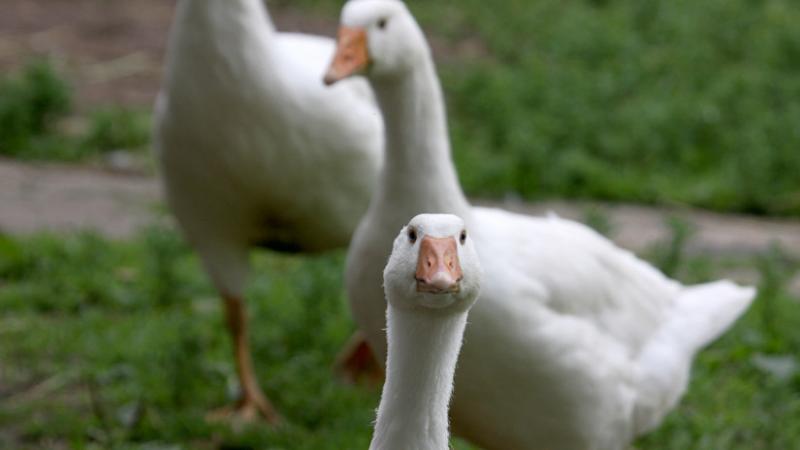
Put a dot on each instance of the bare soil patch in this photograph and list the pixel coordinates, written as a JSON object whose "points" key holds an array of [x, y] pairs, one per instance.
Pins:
{"points": [[112, 51], [35, 197], [58, 198]]}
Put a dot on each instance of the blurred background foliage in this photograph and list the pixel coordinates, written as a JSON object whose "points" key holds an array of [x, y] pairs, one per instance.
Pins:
{"points": [[37, 120], [679, 102]]}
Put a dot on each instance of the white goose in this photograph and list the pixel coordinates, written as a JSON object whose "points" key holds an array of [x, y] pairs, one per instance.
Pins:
{"points": [[254, 150], [431, 281], [574, 344]]}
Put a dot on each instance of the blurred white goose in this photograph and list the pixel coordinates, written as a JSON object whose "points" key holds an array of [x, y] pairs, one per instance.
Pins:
{"points": [[431, 281], [574, 344], [254, 150]]}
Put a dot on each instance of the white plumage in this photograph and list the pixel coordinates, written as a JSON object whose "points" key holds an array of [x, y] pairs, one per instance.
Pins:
{"points": [[254, 149], [574, 344], [424, 331]]}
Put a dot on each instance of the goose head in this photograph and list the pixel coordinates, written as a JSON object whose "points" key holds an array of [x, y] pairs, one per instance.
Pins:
{"points": [[377, 38], [433, 266]]}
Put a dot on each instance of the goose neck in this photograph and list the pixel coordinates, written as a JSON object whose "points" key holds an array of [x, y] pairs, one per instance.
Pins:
{"points": [[418, 165], [217, 46], [423, 350], [211, 35], [225, 16]]}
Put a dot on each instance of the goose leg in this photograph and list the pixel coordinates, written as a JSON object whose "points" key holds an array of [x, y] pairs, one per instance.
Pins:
{"points": [[356, 362], [252, 404]]}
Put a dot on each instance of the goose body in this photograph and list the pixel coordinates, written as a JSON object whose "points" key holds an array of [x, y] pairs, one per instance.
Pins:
{"points": [[574, 343], [255, 150]]}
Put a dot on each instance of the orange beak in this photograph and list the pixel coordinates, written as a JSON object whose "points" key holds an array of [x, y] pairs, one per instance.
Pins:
{"points": [[351, 55], [438, 269]]}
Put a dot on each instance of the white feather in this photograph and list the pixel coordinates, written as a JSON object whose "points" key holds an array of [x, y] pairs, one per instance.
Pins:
{"points": [[254, 149]]}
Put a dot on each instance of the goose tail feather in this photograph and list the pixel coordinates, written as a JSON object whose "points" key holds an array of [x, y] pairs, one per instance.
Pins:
{"points": [[701, 314]]}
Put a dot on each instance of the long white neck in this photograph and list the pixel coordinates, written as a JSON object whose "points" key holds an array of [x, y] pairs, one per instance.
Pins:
{"points": [[418, 171], [219, 43], [421, 363], [225, 19]]}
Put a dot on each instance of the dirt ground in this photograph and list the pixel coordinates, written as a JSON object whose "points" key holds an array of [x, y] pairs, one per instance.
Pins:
{"points": [[48, 197], [111, 51]]}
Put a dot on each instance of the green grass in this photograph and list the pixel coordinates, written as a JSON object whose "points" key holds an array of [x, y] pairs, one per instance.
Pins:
{"points": [[117, 128], [137, 326], [121, 345], [677, 102], [35, 104]]}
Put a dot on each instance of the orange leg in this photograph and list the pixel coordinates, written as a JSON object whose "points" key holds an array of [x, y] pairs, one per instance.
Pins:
{"points": [[253, 403], [357, 363]]}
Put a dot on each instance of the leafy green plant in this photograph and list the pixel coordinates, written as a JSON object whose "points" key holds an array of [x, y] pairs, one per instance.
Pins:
{"points": [[30, 104], [164, 249], [34, 102], [776, 269], [117, 128], [669, 255], [633, 101], [597, 218]]}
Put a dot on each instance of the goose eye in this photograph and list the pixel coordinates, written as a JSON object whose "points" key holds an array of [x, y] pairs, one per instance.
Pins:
{"points": [[382, 23], [412, 235], [463, 237]]}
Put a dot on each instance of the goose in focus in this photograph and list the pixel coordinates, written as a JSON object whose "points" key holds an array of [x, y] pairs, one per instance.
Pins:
{"points": [[431, 281], [255, 151], [574, 343]]}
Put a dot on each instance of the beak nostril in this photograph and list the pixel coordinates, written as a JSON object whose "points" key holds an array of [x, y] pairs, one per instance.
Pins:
{"points": [[438, 269]]}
